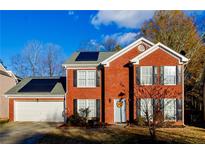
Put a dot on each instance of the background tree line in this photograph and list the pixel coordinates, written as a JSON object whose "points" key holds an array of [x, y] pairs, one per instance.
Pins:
{"points": [[38, 59]]}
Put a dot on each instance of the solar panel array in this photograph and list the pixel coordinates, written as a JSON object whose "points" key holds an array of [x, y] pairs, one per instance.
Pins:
{"points": [[87, 56], [39, 85]]}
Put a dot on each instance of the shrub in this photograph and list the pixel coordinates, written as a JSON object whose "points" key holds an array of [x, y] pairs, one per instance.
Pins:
{"points": [[141, 121], [76, 120]]}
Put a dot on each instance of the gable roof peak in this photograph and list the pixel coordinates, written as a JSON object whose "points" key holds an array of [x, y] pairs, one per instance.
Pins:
{"points": [[182, 58], [126, 49]]}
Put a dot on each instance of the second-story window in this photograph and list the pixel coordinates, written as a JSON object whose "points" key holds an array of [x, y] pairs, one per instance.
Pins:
{"points": [[86, 78], [146, 75], [169, 75]]}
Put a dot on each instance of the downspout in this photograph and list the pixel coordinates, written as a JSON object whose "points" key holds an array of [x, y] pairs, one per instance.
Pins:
{"points": [[183, 95], [64, 112], [65, 100], [184, 63]]}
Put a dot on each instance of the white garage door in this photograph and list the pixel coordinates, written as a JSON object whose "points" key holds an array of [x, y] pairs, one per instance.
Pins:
{"points": [[38, 111]]}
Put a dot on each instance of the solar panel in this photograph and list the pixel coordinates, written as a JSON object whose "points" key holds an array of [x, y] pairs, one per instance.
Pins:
{"points": [[87, 56], [39, 85]]}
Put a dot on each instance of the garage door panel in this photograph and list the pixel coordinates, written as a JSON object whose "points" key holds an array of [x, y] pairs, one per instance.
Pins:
{"points": [[39, 111]]}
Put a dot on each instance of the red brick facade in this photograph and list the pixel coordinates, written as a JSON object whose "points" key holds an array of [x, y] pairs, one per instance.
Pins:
{"points": [[117, 80], [78, 93]]}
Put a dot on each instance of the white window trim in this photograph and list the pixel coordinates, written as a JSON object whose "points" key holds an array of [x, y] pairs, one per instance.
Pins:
{"points": [[141, 76], [170, 84], [174, 111], [150, 101], [86, 72], [86, 104]]}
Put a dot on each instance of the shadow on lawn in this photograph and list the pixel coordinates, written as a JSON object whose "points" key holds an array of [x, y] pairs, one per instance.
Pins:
{"points": [[31, 140], [96, 136], [61, 139]]}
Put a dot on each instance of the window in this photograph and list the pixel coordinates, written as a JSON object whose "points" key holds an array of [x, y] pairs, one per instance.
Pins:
{"points": [[89, 104], [146, 107], [170, 109], [169, 75], [81, 78], [179, 109], [86, 78], [179, 74], [146, 75]]}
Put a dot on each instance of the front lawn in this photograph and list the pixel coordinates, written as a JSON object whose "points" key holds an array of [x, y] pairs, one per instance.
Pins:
{"points": [[120, 134]]}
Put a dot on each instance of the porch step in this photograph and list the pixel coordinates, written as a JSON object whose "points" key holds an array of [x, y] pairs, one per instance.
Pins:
{"points": [[121, 124]]}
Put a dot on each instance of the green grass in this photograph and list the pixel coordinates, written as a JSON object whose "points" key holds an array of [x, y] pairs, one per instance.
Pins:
{"points": [[119, 134]]}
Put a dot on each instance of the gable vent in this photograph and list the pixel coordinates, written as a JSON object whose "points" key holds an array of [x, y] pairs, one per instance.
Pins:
{"points": [[141, 48]]}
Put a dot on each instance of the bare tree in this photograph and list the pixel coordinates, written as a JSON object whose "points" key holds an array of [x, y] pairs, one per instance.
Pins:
{"points": [[52, 60], [32, 54], [38, 59], [19, 65], [151, 109], [109, 44]]}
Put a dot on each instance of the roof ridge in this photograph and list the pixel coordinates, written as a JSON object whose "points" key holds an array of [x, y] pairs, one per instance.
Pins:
{"points": [[43, 77], [92, 51]]}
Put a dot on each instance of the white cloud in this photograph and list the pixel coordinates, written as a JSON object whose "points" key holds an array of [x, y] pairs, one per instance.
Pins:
{"points": [[91, 45], [127, 19], [123, 38]]}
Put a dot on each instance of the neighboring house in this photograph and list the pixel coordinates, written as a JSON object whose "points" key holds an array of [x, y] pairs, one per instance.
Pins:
{"points": [[7, 81], [114, 86]]}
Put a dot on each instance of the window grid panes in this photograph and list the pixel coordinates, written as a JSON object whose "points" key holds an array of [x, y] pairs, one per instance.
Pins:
{"points": [[170, 109], [86, 78], [87, 103], [146, 75], [146, 107], [169, 75]]}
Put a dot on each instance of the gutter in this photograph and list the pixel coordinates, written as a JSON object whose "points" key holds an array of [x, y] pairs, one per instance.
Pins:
{"points": [[34, 96]]}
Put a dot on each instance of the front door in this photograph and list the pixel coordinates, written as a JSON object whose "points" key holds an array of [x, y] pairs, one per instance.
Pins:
{"points": [[119, 110]]}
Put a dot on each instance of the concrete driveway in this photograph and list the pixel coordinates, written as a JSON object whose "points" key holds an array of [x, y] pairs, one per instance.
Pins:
{"points": [[24, 132]]}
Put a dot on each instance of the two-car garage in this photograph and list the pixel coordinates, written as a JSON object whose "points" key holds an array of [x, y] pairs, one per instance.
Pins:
{"points": [[38, 99], [45, 111]]}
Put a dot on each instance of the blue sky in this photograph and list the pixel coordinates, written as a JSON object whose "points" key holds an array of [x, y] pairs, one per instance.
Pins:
{"points": [[69, 29]]}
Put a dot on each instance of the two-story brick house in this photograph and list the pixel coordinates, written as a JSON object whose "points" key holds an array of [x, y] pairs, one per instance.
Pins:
{"points": [[115, 85]]}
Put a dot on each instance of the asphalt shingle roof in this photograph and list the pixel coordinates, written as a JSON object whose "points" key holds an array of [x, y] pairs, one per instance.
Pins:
{"points": [[101, 56], [39, 86]]}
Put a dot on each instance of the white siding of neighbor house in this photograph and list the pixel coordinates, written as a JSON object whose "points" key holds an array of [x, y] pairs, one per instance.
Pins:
{"points": [[6, 83]]}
